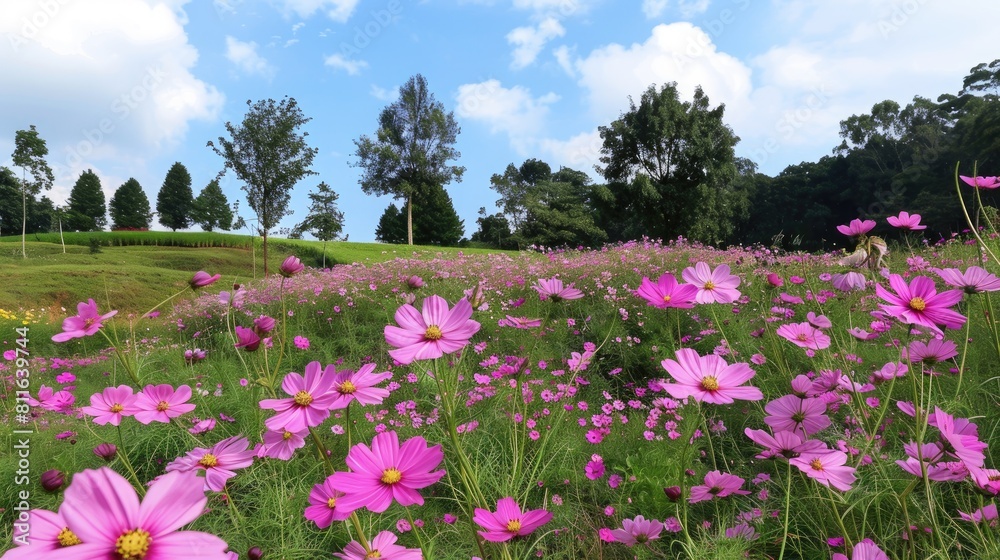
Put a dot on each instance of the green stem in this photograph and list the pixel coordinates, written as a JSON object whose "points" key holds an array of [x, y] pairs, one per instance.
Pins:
{"points": [[128, 464], [788, 507]]}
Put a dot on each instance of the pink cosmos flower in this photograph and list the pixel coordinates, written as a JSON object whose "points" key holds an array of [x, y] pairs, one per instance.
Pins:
{"points": [[281, 444], [594, 468], [638, 531], [219, 463], [774, 280], [111, 404], [203, 426], [709, 378], [325, 506], [358, 385], [986, 479], [160, 403], [793, 414], [864, 550], [973, 281], [829, 468], [508, 521], [981, 182], [301, 342], [857, 227], [263, 325], [985, 513], [959, 437], [553, 290], [247, 339], [666, 292], [782, 444], [432, 332], [717, 485], [86, 322], [933, 351], [849, 282], [382, 546], [519, 322], [310, 401], [50, 399], [714, 286], [804, 335], [387, 472], [919, 303], [202, 279], [930, 458], [907, 221], [818, 321], [102, 509], [48, 533], [291, 266]]}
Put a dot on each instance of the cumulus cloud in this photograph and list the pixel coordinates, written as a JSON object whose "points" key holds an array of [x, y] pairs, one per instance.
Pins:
{"points": [[512, 111], [383, 94], [529, 41], [352, 67], [337, 10], [244, 55], [555, 7], [654, 8]]}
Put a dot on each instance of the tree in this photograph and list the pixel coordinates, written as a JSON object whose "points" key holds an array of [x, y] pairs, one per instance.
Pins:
{"points": [[86, 204], [269, 154], [557, 213], [436, 223], [175, 201], [670, 166], [29, 154], [129, 207], [391, 226], [10, 194], [411, 149], [494, 231], [324, 221], [211, 209], [513, 187]]}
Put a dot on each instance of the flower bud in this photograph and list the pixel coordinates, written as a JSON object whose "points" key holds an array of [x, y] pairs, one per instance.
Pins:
{"points": [[775, 280], [291, 266], [673, 493], [255, 553], [106, 451], [52, 480]]}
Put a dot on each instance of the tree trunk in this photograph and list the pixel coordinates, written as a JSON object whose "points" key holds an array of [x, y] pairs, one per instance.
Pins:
{"points": [[263, 234], [61, 240], [409, 219], [24, 217], [324, 253]]}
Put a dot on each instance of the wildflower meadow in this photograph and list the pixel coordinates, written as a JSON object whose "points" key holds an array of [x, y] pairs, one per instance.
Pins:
{"points": [[639, 400]]}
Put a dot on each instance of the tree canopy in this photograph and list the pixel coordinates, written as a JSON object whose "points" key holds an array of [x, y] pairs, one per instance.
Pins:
{"points": [[175, 199], [29, 154], [87, 210], [324, 220], [129, 207], [211, 209]]}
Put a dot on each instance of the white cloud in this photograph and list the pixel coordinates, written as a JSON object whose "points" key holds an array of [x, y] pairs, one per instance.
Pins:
{"points": [[383, 94], [512, 111], [581, 151], [297, 26], [654, 8], [564, 56], [555, 7], [337, 10], [102, 81], [244, 55], [529, 41], [352, 67]]}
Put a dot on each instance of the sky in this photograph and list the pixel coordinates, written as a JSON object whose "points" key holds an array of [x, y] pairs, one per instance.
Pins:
{"points": [[127, 88]]}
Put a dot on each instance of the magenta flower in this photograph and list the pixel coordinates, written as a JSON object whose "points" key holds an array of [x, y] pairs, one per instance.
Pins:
{"points": [[553, 290], [864, 550], [959, 437], [301, 342], [714, 286], [48, 533], [414, 282], [793, 414], [291, 266], [919, 303], [933, 351], [102, 509], [387, 472], [358, 385], [202, 279], [519, 322], [50, 399], [981, 182], [857, 227], [160, 403], [638, 531], [281, 444], [247, 339], [783, 444], [594, 468], [325, 506], [804, 335], [111, 404], [508, 521], [263, 325], [709, 378], [666, 292], [382, 546], [717, 485], [849, 282], [310, 401], [985, 513], [973, 281], [86, 322], [432, 332], [219, 463], [828, 467], [907, 221]]}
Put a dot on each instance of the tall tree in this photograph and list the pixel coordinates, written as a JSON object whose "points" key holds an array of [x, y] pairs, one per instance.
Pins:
{"points": [[211, 209], [391, 227], [269, 154], [671, 166], [129, 207], [513, 187], [175, 201], [409, 155], [558, 213], [10, 194], [436, 222], [87, 210], [494, 231], [324, 220], [29, 154]]}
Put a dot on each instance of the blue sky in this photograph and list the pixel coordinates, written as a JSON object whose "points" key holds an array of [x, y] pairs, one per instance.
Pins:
{"points": [[128, 87]]}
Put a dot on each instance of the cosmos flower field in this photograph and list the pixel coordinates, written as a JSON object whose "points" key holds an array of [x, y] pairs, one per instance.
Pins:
{"points": [[641, 400]]}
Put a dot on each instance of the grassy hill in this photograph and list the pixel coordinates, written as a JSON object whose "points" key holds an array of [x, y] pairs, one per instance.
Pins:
{"points": [[130, 271]]}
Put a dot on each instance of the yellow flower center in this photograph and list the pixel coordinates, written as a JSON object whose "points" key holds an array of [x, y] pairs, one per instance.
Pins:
{"points": [[709, 383], [287, 435], [331, 503], [433, 333], [87, 323], [802, 337], [373, 554], [133, 545], [918, 304], [117, 407], [303, 398], [816, 465], [514, 525], [68, 538], [666, 299], [391, 476], [347, 388], [709, 285], [208, 460], [162, 406]]}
